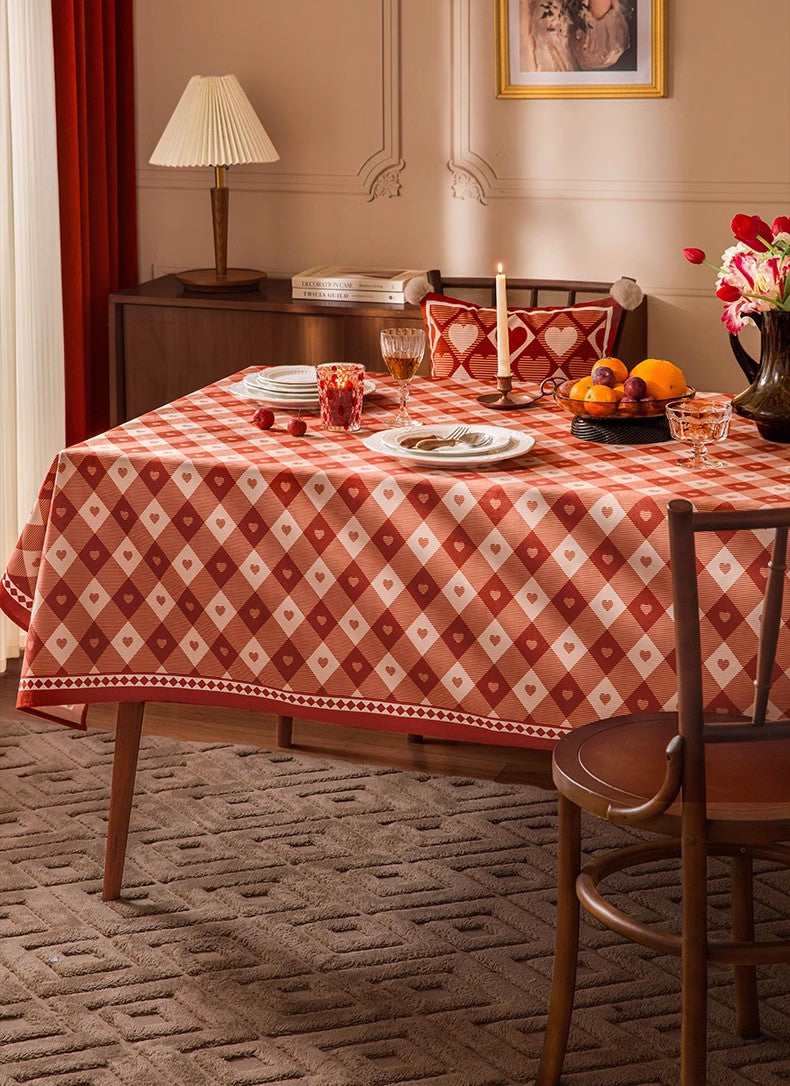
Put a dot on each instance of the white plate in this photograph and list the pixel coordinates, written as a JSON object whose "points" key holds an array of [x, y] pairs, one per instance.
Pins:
{"points": [[294, 378], [281, 394], [286, 393], [520, 443], [289, 402], [500, 438]]}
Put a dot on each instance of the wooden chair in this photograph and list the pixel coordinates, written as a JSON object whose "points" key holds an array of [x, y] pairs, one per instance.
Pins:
{"points": [[724, 790]]}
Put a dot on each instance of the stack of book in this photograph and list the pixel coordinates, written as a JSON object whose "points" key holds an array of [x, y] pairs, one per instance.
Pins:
{"points": [[338, 284]]}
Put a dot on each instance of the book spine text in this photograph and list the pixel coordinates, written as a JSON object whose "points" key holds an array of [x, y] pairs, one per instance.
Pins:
{"points": [[381, 285], [330, 294]]}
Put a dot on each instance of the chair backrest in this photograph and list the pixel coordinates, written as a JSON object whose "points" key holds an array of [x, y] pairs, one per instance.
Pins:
{"points": [[684, 525], [631, 341]]}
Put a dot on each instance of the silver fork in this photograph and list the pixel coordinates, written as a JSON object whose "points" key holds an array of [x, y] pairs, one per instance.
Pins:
{"points": [[459, 435], [434, 442]]}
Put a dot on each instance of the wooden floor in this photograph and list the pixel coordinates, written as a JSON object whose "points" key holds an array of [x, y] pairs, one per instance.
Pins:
{"points": [[191, 722]]}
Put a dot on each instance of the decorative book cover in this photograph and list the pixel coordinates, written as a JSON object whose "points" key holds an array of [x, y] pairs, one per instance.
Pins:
{"points": [[337, 277]]}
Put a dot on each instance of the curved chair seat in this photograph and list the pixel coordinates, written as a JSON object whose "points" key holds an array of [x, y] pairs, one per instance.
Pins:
{"points": [[620, 762]]}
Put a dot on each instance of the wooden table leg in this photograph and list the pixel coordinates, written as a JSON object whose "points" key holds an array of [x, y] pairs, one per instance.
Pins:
{"points": [[285, 728], [128, 727]]}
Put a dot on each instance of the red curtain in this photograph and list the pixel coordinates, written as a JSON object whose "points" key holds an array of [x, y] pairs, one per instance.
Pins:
{"points": [[94, 103]]}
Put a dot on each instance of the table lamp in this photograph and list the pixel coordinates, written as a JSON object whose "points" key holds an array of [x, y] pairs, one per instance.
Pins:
{"points": [[214, 124]]}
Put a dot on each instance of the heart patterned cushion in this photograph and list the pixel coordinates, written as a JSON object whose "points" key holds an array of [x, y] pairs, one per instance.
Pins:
{"points": [[551, 342]]}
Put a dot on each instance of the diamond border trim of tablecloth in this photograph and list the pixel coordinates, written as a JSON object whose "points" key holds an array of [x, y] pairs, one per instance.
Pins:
{"points": [[16, 593], [120, 683]]}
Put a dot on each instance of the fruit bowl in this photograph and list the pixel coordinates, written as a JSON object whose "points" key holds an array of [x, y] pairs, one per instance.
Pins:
{"points": [[616, 412]]}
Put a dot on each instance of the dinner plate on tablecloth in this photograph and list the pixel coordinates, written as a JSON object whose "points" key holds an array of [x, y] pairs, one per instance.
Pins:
{"points": [[519, 444]]}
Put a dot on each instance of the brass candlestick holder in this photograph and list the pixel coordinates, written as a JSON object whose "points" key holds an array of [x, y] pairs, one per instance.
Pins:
{"points": [[505, 400]]}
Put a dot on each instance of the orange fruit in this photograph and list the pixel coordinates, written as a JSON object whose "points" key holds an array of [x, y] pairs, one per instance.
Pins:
{"points": [[664, 379], [619, 390], [618, 368], [600, 400], [579, 390]]}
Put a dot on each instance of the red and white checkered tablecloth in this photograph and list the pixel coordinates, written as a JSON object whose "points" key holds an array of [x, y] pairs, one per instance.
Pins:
{"points": [[188, 556]]}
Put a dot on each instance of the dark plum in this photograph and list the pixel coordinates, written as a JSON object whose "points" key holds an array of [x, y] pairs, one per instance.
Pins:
{"points": [[635, 388], [603, 375]]}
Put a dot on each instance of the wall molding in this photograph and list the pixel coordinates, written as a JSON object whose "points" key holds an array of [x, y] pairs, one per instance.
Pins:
{"points": [[379, 174], [474, 177]]}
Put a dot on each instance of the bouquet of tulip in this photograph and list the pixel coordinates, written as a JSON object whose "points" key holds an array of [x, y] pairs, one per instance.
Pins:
{"points": [[754, 275]]}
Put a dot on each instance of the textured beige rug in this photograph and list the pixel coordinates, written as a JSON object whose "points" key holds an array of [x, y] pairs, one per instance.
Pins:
{"points": [[301, 921]]}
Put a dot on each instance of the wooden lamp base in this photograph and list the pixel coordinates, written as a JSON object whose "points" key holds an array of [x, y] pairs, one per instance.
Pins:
{"points": [[207, 281], [220, 279]]}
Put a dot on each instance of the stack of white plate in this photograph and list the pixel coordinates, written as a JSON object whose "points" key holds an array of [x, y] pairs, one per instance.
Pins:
{"points": [[284, 386], [479, 445], [289, 387]]}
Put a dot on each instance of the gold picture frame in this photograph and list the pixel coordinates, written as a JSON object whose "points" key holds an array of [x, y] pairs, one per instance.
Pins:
{"points": [[544, 31]]}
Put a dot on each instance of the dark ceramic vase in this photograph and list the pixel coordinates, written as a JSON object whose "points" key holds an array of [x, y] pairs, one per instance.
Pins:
{"points": [[767, 399]]}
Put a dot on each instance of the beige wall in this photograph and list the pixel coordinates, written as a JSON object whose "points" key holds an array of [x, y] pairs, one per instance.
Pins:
{"points": [[351, 89]]}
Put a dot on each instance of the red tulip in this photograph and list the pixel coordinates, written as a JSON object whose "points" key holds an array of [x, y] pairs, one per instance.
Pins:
{"points": [[728, 293], [752, 231], [694, 256], [781, 225]]}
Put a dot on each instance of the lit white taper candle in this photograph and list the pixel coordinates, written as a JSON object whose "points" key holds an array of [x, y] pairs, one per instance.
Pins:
{"points": [[502, 335]]}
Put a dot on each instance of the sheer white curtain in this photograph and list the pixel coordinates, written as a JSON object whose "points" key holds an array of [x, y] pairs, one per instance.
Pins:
{"points": [[31, 324]]}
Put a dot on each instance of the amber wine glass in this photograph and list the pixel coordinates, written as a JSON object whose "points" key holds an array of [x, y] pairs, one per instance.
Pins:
{"points": [[402, 350], [699, 422]]}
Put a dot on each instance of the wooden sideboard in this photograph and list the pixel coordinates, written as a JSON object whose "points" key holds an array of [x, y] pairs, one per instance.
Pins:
{"points": [[165, 342]]}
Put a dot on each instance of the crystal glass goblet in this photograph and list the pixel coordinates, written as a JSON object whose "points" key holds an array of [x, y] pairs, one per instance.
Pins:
{"points": [[402, 350], [699, 422]]}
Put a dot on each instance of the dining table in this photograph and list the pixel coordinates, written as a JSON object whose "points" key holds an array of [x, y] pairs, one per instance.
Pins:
{"points": [[188, 556]]}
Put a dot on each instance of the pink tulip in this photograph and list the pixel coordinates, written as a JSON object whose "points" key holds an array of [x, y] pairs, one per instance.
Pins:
{"points": [[737, 314]]}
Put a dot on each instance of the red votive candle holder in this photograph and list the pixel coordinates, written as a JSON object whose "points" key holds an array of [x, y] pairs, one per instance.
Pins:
{"points": [[341, 389]]}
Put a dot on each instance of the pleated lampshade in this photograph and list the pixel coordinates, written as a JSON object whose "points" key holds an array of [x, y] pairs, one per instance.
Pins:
{"points": [[213, 124]]}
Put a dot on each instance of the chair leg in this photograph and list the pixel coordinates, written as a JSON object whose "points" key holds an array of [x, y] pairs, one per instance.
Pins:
{"points": [[285, 731], [563, 984], [747, 1007], [128, 726], [694, 963]]}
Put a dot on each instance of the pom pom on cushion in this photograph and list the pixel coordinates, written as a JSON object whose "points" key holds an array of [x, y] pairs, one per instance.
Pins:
{"points": [[556, 341], [627, 293], [416, 289]]}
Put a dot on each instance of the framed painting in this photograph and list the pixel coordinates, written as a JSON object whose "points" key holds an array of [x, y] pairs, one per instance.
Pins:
{"points": [[581, 48]]}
